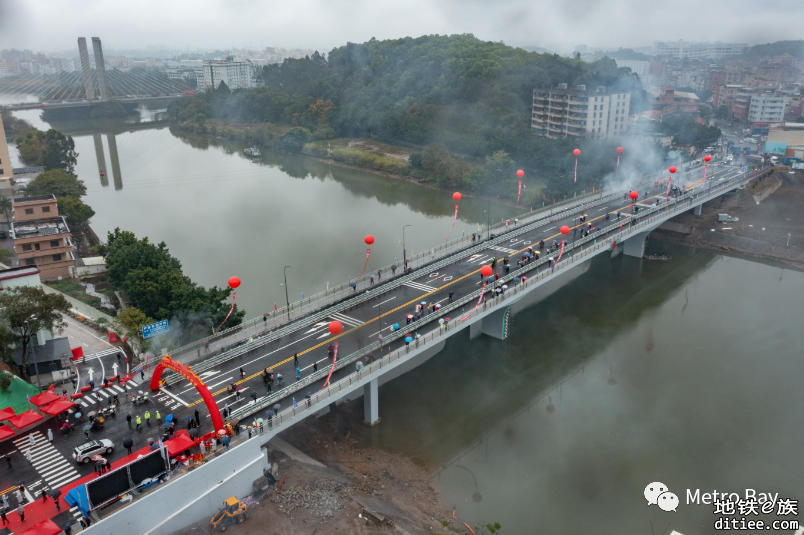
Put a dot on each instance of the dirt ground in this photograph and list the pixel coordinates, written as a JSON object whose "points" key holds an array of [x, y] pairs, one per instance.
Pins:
{"points": [[775, 224], [356, 491]]}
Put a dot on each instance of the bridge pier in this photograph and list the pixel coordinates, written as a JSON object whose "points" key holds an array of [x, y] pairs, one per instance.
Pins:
{"points": [[475, 329], [371, 404], [496, 324], [635, 245], [697, 210]]}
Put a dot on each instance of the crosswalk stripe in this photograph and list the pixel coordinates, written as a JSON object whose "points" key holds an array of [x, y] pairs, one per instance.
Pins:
{"points": [[118, 389], [346, 319], [59, 482], [419, 286], [133, 383], [504, 250], [57, 469], [103, 353]]}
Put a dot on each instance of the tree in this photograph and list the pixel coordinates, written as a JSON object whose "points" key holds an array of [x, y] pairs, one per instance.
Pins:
{"points": [[75, 210], [293, 140], [108, 110], [722, 112], [5, 206], [57, 182], [25, 310], [130, 321]]}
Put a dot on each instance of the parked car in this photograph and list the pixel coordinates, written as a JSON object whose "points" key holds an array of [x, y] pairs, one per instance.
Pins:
{"points": [[85, 452]]}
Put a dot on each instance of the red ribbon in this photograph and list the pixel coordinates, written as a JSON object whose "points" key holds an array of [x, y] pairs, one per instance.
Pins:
{"points": [[234, 294], [561, 252], [332, 369], [366, 264], [454, 218], [518, 193], [626, 216], [479, 299], [704, 178], [576, 170]]}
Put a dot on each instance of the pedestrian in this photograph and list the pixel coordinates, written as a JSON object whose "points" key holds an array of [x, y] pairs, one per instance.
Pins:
{"points": [[107, 464], [158, 418], [119, 356], [74, 382], [3, 517], [8, 460], [148, 417], [58, 505], [31, 440], [128, 419], [21, 512], [142, 374], [50, 435], [214, 445], [298, 373], [139, 422], [379, 274], [206, 346], [315, 369], [68, 529], [197, 418], [5, 501], [450, 296], [296, 359], [129, 449], [29, 455], [44, 496], [242, 373], [371, 278]]}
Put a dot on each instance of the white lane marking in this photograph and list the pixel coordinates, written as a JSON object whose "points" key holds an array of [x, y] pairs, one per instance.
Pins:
{"points": [[90, 333], [419, 286], [174, 397], [317, 327], [378, 304], [346, 319], [216, 384]]}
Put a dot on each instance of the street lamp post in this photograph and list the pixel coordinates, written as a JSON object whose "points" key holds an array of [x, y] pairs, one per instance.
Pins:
{"points": [[287, 299], [36, 364], [404, 253]]}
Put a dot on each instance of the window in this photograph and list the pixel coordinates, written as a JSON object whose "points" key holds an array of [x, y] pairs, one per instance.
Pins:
{"points": [[54, 243], [36, 246], [56, 257], [46, 208], [26, 246], [29, 211], [30, 262]]}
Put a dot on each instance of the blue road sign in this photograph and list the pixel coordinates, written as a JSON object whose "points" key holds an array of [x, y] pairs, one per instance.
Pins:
{"points": [[745, 169], [154, 329]]}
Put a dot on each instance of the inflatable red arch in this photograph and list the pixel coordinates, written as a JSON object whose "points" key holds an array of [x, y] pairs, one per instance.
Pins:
{"points": [[196, 381]]}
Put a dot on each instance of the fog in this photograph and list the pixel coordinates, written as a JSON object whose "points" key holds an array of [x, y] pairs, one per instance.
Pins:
{"points": [[53, 26]]}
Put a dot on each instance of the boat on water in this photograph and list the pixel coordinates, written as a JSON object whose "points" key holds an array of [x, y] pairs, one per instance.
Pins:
{"points": [[657, 257], [254, 152]]}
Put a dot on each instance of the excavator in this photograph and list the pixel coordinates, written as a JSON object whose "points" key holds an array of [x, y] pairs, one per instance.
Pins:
{"points": [[234, 512]]}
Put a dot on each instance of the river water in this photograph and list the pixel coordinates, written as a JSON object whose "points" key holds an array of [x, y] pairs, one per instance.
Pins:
{"points": [[684, 372]]}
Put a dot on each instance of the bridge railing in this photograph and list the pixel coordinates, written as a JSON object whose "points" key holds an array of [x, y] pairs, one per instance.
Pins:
{"points": [[342, 292], [578, 254]]}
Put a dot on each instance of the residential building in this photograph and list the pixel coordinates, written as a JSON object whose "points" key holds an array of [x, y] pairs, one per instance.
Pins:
{"points": [[766, 107], [640, 68], [724, 96], [742, 103], [718, 77], [235, 74], [6, 173], [696, 50], [19, 276], [42, 237], [119, 61], [671, 102], [577, 112]]}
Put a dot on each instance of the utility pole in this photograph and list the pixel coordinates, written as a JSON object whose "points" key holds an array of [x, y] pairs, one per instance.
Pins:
{"points": [[287, 299]]}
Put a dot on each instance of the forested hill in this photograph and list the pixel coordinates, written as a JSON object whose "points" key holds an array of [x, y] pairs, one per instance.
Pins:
{"points": [[473, 96]]}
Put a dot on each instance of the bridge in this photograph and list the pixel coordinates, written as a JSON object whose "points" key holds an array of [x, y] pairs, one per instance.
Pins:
{"points": [[371, 350], [88, 86]]}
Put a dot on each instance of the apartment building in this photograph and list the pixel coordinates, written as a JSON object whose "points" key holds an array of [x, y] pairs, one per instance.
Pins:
{"points": [[640, 68], [6, 173], [42, 237], [697, 50], [578, 112], [673, 103], [767, 107], [724, 96], [235, 74]]}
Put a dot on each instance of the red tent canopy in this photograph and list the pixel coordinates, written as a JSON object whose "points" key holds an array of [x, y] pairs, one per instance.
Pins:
{"points": [[46, 527], [25, 419], [179, 443], [58, 407], [44, 398], [6, 432], [6, 413]]}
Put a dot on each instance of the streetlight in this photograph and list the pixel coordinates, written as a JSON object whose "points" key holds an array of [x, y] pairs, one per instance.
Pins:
{"points": [[36, 365], [404, 255], [287, 299], [488, 222]]}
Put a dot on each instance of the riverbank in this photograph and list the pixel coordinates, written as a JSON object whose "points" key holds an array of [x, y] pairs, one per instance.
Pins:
{"points": [[769, 221], [326, 485]]}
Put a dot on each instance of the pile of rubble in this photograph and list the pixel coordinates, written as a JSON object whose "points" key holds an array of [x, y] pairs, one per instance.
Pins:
{"points": [[322, 498]]}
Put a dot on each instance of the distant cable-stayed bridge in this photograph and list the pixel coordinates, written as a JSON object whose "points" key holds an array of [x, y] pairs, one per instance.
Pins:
{"points": [[88, 86]]}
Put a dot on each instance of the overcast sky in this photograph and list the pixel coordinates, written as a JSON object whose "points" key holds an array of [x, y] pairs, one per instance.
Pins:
{"points": [[53, 26]]}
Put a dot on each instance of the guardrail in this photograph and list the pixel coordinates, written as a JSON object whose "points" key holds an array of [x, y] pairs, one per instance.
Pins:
{"points": [[608, 236], [265, 338]]}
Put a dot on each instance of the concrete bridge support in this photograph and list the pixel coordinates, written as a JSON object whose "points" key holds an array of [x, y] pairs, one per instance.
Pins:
{"points": [[86, 73], [371, 404], [496, 324], [635, 245], [102, 171], [697, 210]]}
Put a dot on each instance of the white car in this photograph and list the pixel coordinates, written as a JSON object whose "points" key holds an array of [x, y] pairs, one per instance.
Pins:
{"points": [[85, 452]]}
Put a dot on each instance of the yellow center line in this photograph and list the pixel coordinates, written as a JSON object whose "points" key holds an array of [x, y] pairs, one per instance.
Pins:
{"points": [[325, 342]]}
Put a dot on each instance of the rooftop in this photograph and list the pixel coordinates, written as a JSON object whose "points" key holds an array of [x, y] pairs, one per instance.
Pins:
{"points": [[40, 227], [16, 272], [33, 198], [791, 137]]}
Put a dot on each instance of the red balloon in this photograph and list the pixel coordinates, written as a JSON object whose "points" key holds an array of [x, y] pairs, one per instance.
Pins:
{"points": [[673, 169], [520, 173], [565, 229], [369, 239], [485, 271], [577, 152], [707, 158], [633, 195], [335, 327], [234, 282], [456, 196], [619, 149]]}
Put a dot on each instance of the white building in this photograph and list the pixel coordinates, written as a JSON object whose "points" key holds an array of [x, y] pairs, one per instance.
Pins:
{"points": [[577, 112], [640, 68], [235, 74], [766, 107], [696, 50]]}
